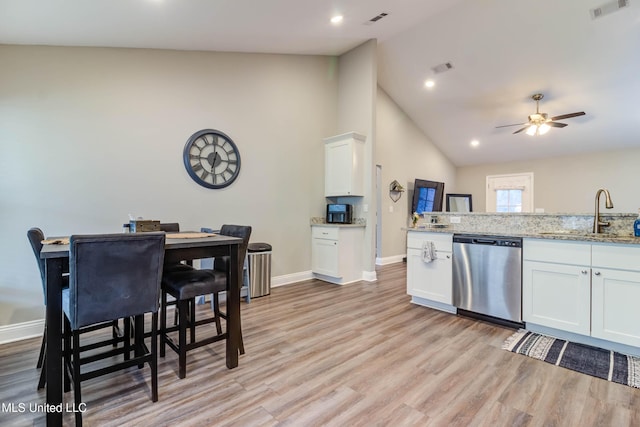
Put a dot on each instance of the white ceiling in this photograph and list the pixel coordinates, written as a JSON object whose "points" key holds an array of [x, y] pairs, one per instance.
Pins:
{"points": [[502, 53]]}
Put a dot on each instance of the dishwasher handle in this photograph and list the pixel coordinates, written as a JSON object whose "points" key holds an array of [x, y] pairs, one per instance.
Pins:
{"points": [[491, 242]]}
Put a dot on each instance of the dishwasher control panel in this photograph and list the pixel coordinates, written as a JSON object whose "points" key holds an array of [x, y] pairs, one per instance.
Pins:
{"points": [[478, 239]]}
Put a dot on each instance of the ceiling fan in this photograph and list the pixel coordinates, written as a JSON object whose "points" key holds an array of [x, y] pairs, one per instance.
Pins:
{"points": [[539, 123]]}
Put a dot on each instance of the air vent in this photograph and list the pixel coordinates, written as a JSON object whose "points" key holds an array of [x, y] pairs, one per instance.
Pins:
{"points": [[441, 68], [376, 18], [608, 8]]}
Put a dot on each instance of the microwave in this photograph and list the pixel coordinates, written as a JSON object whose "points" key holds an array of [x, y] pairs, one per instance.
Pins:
{"points": [[339, 213]]}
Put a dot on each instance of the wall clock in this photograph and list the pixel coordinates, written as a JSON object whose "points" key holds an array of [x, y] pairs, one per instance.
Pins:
{"points": [[211, 158]]}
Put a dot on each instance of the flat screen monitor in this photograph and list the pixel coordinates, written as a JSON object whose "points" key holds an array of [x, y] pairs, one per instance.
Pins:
{"points": [[427, 196]]}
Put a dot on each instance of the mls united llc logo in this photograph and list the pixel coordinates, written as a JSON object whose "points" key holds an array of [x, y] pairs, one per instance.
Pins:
{"points": [[21, 407]]}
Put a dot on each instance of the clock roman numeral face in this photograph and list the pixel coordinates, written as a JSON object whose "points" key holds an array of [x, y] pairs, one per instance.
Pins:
{"points": [[212, 159]]}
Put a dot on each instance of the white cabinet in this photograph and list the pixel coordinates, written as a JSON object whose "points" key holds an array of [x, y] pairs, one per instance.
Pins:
{"points": [[336, 253], [584, 288], [615, 294], [431, 281], [344, 165], [556, 285]]}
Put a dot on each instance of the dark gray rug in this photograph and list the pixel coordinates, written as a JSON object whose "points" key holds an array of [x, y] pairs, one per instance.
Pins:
{"points": [[594, 361]]}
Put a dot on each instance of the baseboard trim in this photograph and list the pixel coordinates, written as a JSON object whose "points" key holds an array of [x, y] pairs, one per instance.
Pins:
{"points": [[21, 331], [369, 276], [288, 279], [390, 259]]}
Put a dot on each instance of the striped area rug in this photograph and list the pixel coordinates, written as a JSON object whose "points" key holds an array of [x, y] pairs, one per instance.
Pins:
{"points": [[594, 361]]}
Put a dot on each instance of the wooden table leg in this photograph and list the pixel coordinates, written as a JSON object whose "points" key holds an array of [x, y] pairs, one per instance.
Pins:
{"points": [[233, 307], [54, 361]]}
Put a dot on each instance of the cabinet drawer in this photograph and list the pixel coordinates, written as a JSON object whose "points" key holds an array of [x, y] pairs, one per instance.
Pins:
{"points": [[325, 233], [621, 257], [557, 252], [442, 241]]}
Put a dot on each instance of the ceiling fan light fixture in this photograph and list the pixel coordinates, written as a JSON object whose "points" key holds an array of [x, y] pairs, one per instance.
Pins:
{"points": [[543, 128], [540, 123]]}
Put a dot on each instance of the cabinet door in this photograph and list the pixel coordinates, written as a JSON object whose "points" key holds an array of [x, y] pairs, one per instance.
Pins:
{"points": [[324, 257], [338, 169], [615, 314], [344, 167], [557, 296], [430, 280]]}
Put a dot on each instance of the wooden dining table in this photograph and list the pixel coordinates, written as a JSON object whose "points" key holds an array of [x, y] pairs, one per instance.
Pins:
{"points": [[178, 247]]}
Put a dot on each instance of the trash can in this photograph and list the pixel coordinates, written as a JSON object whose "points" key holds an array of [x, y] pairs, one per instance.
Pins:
{"points": [[259, 255]]}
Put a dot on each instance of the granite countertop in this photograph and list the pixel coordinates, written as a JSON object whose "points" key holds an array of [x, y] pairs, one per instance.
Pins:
{"points": [[357, 222], [574, 235]]}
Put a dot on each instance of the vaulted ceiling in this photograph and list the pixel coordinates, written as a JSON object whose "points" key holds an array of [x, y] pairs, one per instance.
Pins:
{"points": [[501, 53]]}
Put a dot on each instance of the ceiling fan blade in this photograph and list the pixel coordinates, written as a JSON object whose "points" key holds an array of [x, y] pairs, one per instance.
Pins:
{"points": [[556, 124], [520, 130], [567, 116], [506, 126]]}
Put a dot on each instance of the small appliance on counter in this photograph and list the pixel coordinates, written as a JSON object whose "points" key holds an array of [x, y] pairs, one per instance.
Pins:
{"points": [[339, 213], [143, 225]]}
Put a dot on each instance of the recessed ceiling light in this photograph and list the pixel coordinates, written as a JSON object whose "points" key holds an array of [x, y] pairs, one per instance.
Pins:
{"points": [[337, 19], [429, 83], [475, 143]]}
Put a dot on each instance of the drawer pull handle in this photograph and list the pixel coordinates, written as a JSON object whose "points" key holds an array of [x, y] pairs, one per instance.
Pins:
{"points": [[584, 271], [597, 273]]}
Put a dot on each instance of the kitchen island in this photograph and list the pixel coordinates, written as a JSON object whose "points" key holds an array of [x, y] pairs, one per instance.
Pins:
{"points": [[575, 284]]}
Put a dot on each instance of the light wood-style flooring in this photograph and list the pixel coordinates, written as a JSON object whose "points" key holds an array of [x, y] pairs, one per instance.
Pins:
{"points": [[354, 355]]}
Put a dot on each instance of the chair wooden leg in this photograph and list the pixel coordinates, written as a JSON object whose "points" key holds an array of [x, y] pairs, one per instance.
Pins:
{"points": [[126, 334], [43, 348], [67, 353], [114, 332], [154, 357], [163, 323], [138, 337], [175, 315], [43, 374], [77, 394], [182, 338], [216, 312], [241, 341], [192, 320]]}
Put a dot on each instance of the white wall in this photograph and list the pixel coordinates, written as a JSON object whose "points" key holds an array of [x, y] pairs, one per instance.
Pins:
{"points": [[357, 112], [566, 184], [404, 153], [88, 136]]}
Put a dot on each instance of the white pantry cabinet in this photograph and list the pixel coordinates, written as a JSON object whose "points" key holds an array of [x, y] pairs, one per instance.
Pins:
{"points": [[431, 281], [336, 253], [344, 165], [556, 285]]}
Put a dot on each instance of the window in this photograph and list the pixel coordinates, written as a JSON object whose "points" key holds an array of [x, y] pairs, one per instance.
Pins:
{"points": [[509, 200], [510, 193]]}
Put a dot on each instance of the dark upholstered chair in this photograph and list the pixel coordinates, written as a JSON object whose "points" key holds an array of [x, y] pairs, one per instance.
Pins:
{"points": [[112, 276], [222, 264], [185, 285], [36, 236]]}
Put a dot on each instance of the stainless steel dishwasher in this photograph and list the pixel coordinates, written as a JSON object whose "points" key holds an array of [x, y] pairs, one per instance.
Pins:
{"points": [[487, 276]]}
